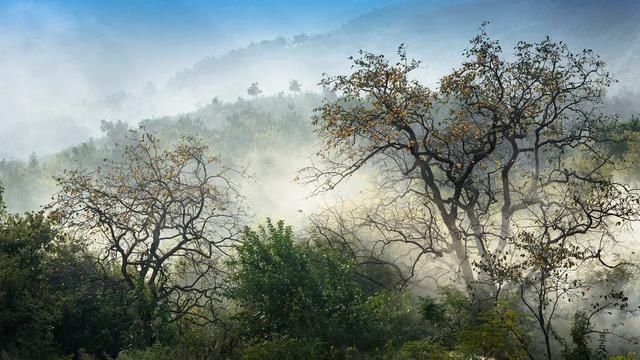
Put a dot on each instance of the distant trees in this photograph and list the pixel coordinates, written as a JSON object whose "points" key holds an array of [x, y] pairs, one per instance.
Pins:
{"points": [[254, 90], [165, 218], [115, 132]]}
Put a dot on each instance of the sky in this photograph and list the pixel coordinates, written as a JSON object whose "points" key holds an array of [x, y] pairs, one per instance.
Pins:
{"points": [[57, 56], [147, 37]]}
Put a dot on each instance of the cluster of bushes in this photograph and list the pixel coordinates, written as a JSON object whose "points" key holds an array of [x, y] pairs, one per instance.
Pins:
{"points": [[290, 299], [53, 298]]}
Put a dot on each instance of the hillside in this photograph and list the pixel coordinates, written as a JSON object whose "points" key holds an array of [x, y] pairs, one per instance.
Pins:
{"points": [[433, 32]]}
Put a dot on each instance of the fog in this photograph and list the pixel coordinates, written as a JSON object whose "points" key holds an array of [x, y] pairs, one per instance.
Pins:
{"points": [[75, 76], [67, 65]]}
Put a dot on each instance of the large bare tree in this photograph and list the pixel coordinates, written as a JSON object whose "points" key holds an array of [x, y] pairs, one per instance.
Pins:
{"points": [[501, 147], [166, 218]]}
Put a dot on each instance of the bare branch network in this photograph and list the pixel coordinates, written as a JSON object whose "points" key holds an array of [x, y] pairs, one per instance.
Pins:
{"points": [[165, 218], [502, 147]]}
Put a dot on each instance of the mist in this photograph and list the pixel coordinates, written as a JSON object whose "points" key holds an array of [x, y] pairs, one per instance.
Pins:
{"points": [[68, 65], [82, 82]]}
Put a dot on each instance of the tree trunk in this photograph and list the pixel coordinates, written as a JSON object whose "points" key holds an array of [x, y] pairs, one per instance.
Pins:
{"points": [[460, 249]]}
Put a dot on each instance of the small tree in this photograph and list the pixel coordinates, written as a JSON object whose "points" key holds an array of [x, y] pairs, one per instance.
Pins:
{"points": [[28, 307], [254, 90], [295, 290], [294, 86], [543, 275], [164, 218], [3, 207], [579, 330]]}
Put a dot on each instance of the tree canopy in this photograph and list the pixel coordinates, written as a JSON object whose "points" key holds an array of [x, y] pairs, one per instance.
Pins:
{"points": [[500, 146]]}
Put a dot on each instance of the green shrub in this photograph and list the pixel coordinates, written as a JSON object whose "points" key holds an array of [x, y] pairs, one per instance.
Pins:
{"points": [[293, 289], [156, 351], [285, 348], [499, 333], [423, 349], [579, 330], [629, 356], [393, 316], [448, 315]]}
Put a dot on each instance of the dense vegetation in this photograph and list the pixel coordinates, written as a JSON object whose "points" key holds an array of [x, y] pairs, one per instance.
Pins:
{"points": [[495, 231]]}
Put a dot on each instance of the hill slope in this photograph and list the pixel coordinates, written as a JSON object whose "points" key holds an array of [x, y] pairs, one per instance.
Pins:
{"points": [[432, 31]]}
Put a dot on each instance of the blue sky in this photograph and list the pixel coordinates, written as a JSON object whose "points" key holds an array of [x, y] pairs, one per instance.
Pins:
{"points": [[153, 39], [195, 17]]}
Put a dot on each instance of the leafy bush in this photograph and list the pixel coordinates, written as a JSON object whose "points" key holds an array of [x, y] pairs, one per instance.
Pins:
{"points": [[54, 298], [629, 356], [285, 348], [293, 289], [579, 330], [498, 334], [156, 351], [393, 316], [423, 349], [448, 316]]}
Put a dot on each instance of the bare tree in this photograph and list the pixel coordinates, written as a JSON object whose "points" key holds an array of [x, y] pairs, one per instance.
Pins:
{"points": [[544, 274], [392, 237], [501, 147], [165, 218]]}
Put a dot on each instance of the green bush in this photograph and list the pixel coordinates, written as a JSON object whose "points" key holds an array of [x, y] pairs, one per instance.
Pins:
{"points": [[285, 348], [392, 316], [294, 289], [448, 316], [156, 351], [498, 333], [579, 331], [423, 349], [54, 297], [629, 356]]}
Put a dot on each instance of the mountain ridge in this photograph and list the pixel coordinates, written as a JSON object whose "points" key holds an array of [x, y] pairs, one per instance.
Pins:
{"points": [[592, 25]]}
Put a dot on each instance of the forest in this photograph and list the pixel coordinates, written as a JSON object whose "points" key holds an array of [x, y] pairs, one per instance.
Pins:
{"points": [[488, 217]]}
